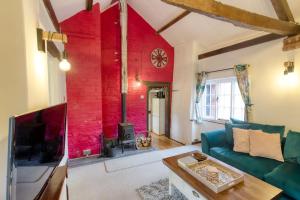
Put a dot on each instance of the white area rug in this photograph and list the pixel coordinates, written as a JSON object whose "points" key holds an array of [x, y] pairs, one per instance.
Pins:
{"points": [[144, 158], [121, 177]]}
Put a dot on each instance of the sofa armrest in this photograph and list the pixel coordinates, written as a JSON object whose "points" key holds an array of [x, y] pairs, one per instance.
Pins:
{"points": [[212, 139]]}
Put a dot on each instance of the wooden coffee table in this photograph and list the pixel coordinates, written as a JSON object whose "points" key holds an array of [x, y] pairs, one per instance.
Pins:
{"points": [[252, 188]]}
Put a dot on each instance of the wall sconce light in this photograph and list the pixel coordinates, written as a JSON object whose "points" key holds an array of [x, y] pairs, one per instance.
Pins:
{"points": [[288, 67], [64, 64], [43, 36], [138, 81], [40, 42]]}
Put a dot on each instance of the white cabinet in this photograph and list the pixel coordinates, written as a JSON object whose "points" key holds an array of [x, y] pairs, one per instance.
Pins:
{"points": [[158, 116], [188, 191]]}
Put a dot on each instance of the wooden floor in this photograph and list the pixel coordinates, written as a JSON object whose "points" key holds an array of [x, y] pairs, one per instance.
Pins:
{"points": [[162, 142]]}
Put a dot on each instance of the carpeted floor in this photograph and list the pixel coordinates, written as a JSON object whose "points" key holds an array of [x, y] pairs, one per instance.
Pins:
{"points": [[123, 177]]}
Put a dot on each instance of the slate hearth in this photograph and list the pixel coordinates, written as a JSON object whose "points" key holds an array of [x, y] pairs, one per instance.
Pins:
{"points": [[129, 151]]}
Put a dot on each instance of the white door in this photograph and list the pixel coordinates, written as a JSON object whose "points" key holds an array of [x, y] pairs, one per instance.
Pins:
{"points": [[155, 115], [162, 114]]}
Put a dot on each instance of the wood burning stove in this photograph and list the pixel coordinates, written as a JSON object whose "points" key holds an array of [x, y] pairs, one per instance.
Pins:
{"points": [[126, 135]]}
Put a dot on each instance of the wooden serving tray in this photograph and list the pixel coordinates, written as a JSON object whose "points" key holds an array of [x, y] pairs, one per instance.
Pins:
{"points": [[214, 175]]}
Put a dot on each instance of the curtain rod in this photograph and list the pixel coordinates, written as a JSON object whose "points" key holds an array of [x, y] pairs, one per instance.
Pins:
{"points": [[220, 70]]}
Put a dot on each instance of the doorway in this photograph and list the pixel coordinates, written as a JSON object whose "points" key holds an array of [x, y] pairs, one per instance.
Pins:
{"points": [[158, 108]]}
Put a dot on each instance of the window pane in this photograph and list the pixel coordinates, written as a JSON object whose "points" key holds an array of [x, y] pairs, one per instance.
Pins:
{"points": [[206, 102], [207, 89], [207, 111], [209, 101], [213, 89], [213, 99], [238, 110], [224, 100]]}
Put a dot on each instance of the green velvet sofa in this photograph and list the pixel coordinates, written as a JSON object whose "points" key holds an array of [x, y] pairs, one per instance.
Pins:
{"points": [[284, 175]]}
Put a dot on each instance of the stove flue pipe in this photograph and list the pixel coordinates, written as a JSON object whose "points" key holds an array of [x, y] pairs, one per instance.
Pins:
{"points": [[124, 72]]}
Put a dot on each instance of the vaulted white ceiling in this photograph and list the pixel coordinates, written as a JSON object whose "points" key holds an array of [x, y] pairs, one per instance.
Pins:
{"points": [[65, 9], [208, 33]]}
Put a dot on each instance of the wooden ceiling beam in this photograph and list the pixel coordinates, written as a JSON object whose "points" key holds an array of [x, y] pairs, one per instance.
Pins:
{"points": [[52, 15], [113, 1], [51, 47], [241, 45], [237, 16], [89, 5], [291, 43], [283, 10], [173, 21]]}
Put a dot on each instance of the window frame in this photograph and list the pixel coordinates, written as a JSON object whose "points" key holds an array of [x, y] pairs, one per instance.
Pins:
{"points": [[204, 105], [217, 82]]}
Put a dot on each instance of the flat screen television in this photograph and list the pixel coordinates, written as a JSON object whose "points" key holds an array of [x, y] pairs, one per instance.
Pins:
{"points": [[36, 147]]}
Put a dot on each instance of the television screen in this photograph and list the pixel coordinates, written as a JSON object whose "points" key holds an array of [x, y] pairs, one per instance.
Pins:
{"points": [[36, 147]]}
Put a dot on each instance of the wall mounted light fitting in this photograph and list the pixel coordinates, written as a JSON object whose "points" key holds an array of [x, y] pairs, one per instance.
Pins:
{"points": [[43, 36], [289, 67], [137, 79]]}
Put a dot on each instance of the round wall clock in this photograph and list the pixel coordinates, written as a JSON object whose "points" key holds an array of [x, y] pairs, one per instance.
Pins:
{"points": [[159, 58]]}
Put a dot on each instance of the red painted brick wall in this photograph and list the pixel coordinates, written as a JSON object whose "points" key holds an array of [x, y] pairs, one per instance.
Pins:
{"points": [[93, 84], [111, 71], [142, 39], [84, 81]]}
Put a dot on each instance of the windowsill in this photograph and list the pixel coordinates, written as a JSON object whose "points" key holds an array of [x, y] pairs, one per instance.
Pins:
{"points": [[216, 121]]}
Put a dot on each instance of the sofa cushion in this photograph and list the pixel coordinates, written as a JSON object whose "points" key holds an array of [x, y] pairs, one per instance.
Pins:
{"points": [[211, 139], [265, 145], [264, 127], [229, 132], [237, 121], [241, 140], [292, 147], [274, 129], [286, 177], [255, 166]]}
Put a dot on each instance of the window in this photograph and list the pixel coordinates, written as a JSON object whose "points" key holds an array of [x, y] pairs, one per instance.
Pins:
{"points": [[222, 99]]}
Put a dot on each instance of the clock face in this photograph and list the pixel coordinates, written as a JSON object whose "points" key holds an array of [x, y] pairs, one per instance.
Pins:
{"points": [[159, 58]]}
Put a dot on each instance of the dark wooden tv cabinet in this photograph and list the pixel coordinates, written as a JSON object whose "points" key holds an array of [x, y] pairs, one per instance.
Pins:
{"points": [[55, 185]]}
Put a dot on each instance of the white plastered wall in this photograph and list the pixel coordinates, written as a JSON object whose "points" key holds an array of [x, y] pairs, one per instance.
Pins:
{"points": [[24, 83], [183, 90], [275, 97]]}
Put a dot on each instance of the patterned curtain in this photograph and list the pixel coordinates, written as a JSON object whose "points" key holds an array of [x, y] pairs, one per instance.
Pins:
{"points": [[242, 75], [200, 87]]}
